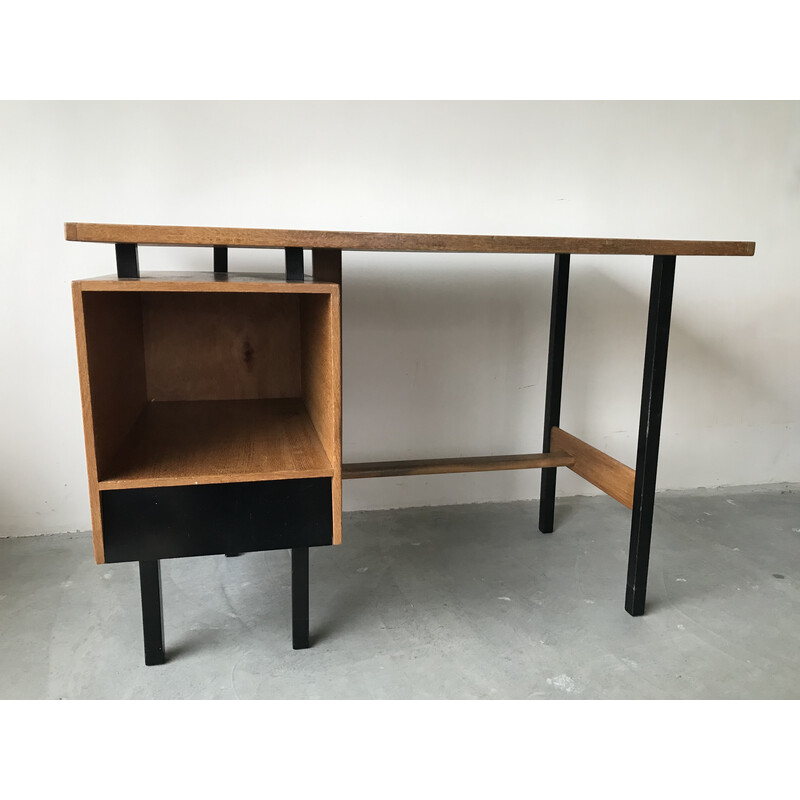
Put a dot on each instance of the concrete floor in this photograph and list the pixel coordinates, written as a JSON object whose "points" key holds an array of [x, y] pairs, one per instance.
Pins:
{"points": [[447, 602]]}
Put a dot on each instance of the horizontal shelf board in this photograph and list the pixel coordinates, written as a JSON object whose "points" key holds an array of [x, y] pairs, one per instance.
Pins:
{"points": [[394, 242], [440, 466], [180, 443], [206, 282]]}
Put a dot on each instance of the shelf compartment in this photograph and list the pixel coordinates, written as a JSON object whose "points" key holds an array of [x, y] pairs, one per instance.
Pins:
{"points": [[178, 443], [190, 380]]}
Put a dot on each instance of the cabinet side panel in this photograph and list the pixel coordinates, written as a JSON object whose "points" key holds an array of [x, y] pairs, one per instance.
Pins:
{"points": [[115, 360], [221, 346], [336, 369], [327, 266], [88, 425], [112, 375], [322, 385]]}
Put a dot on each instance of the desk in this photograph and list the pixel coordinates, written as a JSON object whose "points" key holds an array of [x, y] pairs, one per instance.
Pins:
{"points": [[212, 401]]}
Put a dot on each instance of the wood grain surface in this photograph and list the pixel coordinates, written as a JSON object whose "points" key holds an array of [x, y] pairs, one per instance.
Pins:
{"points": [[179, 443], [395, 242], [326, 266], [321, 381], [440, 466], [111, 373], [217, 346], [203, 282], [606, 473]]}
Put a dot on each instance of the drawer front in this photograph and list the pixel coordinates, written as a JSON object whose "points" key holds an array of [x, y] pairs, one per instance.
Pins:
{"points": [[180, 521]]}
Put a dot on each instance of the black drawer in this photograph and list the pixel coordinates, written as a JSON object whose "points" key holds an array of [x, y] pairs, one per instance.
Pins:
{"points": [[179, 521]]}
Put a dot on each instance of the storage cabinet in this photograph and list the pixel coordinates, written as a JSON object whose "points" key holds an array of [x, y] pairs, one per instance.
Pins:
{"points": [[212, 413]]}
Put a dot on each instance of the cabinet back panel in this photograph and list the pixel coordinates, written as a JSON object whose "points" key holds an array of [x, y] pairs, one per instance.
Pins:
{"points": [[206, 346]]}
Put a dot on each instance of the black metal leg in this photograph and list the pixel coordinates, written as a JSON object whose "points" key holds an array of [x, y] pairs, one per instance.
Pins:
{"points": [[644, 491], [294, 264], [220, 259], [555, 369], [127, 260], [299, 598], [152, 612]]}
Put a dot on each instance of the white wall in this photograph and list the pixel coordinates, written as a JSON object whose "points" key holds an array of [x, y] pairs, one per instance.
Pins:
{"points": [[443, 355]]}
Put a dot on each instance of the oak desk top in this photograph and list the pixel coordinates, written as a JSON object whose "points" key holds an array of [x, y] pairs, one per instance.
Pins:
{"points": [[394, 242]]}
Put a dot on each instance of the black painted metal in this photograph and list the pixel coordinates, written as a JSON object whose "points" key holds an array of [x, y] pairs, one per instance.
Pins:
{"points": [[300, 598], [218, 518], [152, 612], [127, 260], [294, 264], [220, 259], [555, 370], [644, 491]]}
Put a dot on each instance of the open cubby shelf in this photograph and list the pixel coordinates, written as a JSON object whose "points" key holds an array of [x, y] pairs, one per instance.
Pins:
{"points": [[180, 442], [193, 380]]}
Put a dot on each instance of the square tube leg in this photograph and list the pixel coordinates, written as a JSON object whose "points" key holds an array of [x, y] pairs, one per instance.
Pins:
{"points": [[300, 598], [555, 370], [220, 259], [152, 612], [127, 260], [644, 491], [294, 264]]}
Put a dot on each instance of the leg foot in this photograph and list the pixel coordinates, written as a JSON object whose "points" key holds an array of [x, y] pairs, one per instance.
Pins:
{"points": [[634, 601], [547, 500]]}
